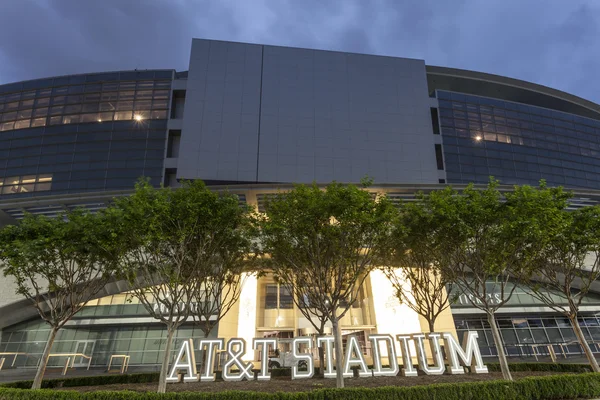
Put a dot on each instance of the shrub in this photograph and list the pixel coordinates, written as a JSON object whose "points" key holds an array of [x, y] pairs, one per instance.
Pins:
{"points": [[87, 381], [536, 388], [542, 367]]}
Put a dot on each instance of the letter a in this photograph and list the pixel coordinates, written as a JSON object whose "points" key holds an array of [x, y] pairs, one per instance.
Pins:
{"points": [[187, 350]]}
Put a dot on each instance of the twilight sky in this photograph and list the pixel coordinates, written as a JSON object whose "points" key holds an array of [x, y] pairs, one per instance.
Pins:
{"points": [[550, 42]]}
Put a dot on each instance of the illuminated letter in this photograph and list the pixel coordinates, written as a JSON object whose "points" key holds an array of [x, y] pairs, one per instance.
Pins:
{"points": [[409, 369], [264, 363], [353, 347], [310, 366], [234, 358], [438, 366], [391, 350], [470, 356], [209, 367], [189, 364], [328, 340]]}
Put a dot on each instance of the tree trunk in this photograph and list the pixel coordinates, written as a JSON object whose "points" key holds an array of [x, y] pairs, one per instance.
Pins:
{"points": [[499, 346], [164, 369], [339, 357], [584, 344], [37, 381], [434, 352], [321, 351]]}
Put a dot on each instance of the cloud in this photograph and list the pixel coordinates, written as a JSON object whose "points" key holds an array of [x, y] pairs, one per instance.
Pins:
{"points": [[551, 42]]}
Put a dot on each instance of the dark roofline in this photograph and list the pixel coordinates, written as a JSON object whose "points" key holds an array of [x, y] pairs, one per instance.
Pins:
{"points": [[490, 86]]}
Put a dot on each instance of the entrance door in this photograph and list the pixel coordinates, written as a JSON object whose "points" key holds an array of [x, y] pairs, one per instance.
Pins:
{"points": [[84, 347]]}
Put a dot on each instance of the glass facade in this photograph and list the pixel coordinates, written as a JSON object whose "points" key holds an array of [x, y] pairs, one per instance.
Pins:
{"points": [[136, 333], [521, 332], [517, 143], [91, 132]]}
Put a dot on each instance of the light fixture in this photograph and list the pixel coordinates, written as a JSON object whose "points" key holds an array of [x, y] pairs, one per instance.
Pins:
{"points": [[99, 120], [478, 138], [137, 117]]}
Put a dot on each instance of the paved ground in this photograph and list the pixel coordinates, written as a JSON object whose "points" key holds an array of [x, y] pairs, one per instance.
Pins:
{"points": [[19, 374]]}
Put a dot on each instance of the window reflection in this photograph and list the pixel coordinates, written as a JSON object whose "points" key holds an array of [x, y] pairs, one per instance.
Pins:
{"points": [[25, 184], [101, 102]]}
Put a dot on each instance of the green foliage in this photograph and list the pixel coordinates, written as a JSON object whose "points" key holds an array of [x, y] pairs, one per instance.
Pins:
{"points": [[541, 367], [59, 263], [88, 381], [323, 244], [538, 388], [184, 252]]}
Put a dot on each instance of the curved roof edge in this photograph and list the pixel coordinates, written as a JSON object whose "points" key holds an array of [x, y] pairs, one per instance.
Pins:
{"points": [[510, 89], [72, 79]]}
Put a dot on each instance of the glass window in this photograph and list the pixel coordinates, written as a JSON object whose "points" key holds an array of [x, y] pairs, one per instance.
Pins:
{"points": [[24, 123], [125, 105], [105, 116], [71, 119], [145, 84], [27, 103], [285, 298], [90, 107], [92, 97], [89, 117], [59, 100], [38, 122], [71, 109], [159, 114], [60, 90], [39, 112], [141, 115], [109, 96], [142, 105], [27, 183], [162, 84], [143, 94], [126, 85], [44, 92], [123, 115], [161, 94], [11, 185], [160, 104], [10, 116], [107, 106], [271, 297], [11, 106], [24, 114], [110, 86], [7, 126], [127, 95], [74, 99], [93, 87], [13, 97], [55, 120]]}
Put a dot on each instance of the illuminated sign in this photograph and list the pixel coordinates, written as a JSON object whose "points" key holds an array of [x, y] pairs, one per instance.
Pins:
{"points": [[236, 369]]}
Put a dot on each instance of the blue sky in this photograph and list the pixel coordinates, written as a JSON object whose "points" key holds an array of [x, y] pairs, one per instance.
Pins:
{"points": [[550, 42]]}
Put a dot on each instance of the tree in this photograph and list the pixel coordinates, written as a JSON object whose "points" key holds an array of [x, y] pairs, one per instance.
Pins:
{"points": [[418, 253], [59, 264], [487, 239], [177, 242], [224, 252], [568, 266], [323, 244]]}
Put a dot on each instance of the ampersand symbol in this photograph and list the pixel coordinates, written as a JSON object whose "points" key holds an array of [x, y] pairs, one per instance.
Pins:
{"points": [[234, 359]]}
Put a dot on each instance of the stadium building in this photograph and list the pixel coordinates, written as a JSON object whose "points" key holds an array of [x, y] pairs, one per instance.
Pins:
{"points": [[256, 118]]}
